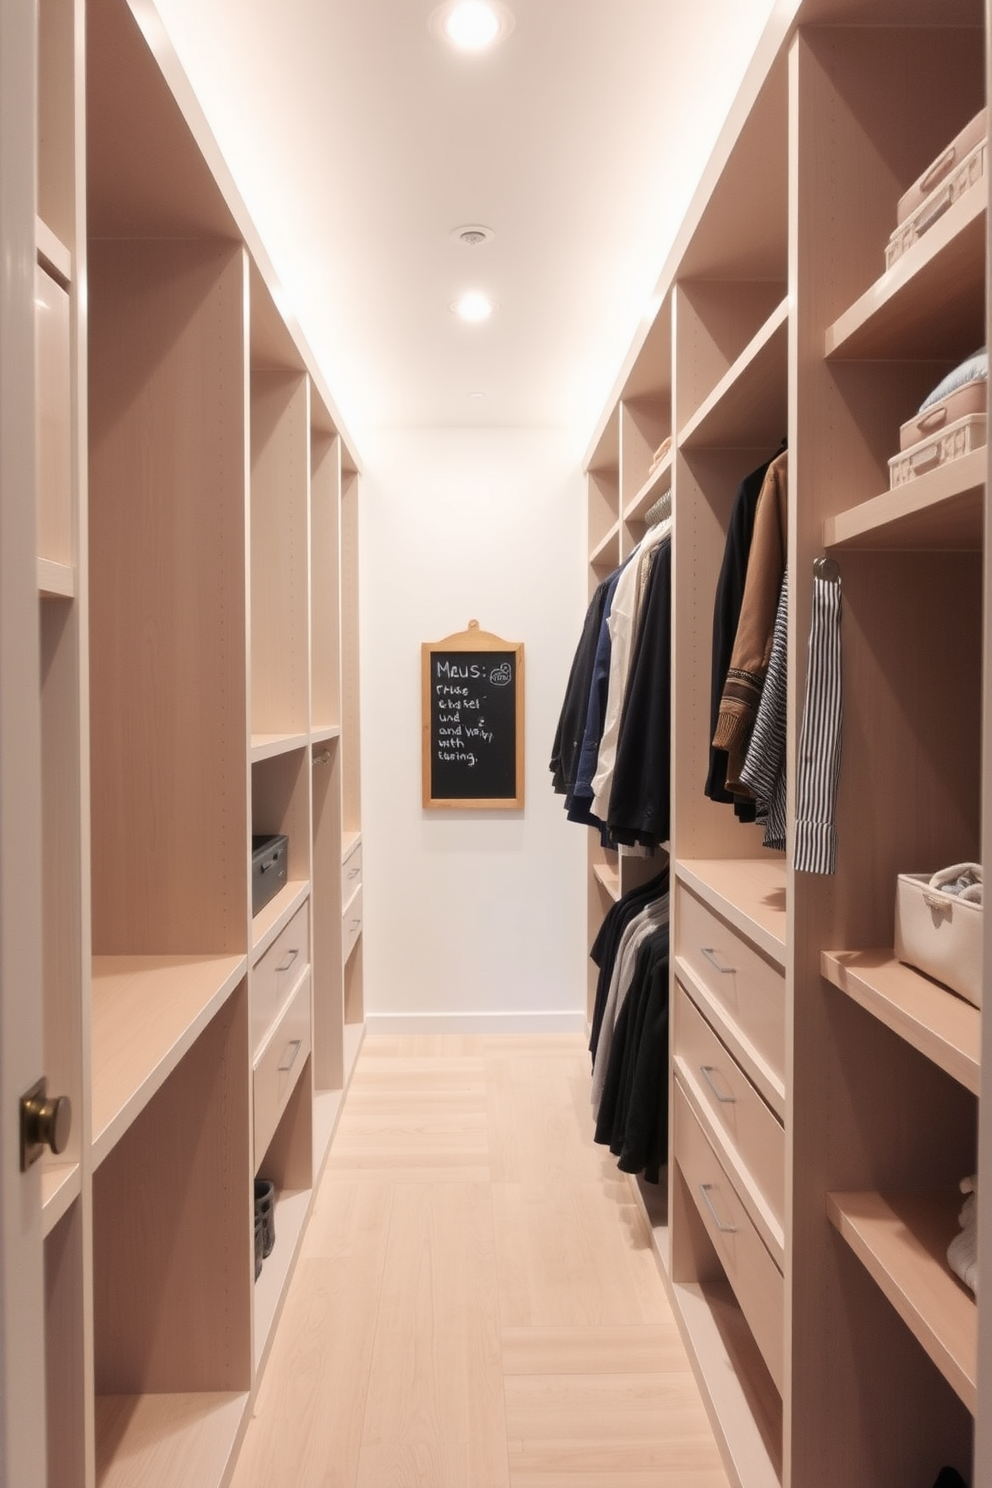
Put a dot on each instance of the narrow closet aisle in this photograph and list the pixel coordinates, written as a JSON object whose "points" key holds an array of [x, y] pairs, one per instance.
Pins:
{"points": [[476, 1304]]}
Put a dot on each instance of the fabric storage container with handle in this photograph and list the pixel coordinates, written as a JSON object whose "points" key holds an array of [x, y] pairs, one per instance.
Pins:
{"points": [[954, 172], [940, 934], [947, 444], [936, 418]]}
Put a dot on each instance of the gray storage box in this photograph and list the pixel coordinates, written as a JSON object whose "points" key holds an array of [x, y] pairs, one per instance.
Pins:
{"points": [[269, 868]]}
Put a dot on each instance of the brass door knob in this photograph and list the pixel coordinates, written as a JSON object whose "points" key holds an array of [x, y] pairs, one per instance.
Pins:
{"points": [[46, 1121]]}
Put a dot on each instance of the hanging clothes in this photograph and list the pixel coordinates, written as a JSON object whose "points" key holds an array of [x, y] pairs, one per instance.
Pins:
{"points": [[818, 764], [572, 720], [640, 800], [624, 623], [653, 916], [726, 614], [633, 1111], [608, 938], [578, 805], [755, 627], [763, 771]]}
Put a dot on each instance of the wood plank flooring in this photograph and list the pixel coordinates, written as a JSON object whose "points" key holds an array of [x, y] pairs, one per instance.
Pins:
{"points": [[476, 1304]]}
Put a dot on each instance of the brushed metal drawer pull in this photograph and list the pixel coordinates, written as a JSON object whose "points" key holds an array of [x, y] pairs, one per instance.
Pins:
{"points": [[708, 1071], [713, 957], [287, 1064], [725, 1229], [290, 958], [354, 872], [354, 924]]}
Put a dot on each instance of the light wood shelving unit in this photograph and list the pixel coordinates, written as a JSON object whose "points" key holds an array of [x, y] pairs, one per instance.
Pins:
{"points": [[197, 557], [777, 319]]}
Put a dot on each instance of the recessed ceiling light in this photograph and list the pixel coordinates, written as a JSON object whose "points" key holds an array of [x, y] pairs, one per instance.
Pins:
{"points": [[472, 25], [472, 234], [474, 306]]}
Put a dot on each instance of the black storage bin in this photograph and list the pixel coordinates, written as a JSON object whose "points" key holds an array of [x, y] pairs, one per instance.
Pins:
{"points": [[269, 866]]}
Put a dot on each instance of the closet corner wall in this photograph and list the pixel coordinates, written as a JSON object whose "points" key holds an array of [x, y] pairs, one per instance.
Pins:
{"points": [[196, 572], [825, 1098]]}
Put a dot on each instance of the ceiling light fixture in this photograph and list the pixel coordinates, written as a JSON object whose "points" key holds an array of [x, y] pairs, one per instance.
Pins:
{"points": [[472, 234], [474, 306], [472, 25]]}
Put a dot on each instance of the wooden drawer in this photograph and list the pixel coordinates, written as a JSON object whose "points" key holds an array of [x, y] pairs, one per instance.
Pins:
{"points": [[746, 990], [278, 1066], [351, 925], [747, 1135], [277, 973], [756, 1280], [351, 875]]}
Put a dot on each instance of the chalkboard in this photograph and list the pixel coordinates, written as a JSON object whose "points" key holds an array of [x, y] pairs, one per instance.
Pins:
{"points": [[473, 721]]}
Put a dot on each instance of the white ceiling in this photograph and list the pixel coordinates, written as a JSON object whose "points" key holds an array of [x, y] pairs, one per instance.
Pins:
{"points": [[359, 141]]}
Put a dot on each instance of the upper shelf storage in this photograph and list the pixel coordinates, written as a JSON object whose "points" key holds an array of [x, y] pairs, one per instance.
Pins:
{"points": [[931, 301], [748, 404]]}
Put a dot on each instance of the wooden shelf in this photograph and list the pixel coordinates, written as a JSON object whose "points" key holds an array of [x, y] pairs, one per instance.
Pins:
{"points": [[348, 841], [606, 553], [748, 892], [267, 746], [53, 255], [943, 509], [902, 1241], [656, 485], [652, 1200], [322, 733], [56, 580], [932, 300], [943, 1027], [61, 1185], [744, 1407], [292, 1209], [748, 406], [161, 1440], [609, 877], [147, 1011], [270, 919]]}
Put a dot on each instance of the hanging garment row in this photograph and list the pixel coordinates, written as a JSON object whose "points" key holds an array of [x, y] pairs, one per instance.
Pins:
{"points": [[629, 1034], [611, 753]]}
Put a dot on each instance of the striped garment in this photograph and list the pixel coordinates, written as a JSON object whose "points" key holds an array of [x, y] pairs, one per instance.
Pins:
{"points": [[818, 765], [763, 771]]}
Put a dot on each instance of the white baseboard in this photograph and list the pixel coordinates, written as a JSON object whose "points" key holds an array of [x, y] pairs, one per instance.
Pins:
{"points": [[516, 1023]]}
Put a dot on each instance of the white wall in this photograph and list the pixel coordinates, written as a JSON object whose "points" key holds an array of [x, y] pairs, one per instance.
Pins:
{"points": [[472, 919]]}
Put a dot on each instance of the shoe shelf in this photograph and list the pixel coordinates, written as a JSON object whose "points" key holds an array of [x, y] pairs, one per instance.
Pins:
{"points": [[748, 404]]}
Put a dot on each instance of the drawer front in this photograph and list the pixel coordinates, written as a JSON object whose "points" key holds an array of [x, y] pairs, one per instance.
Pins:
{"points": [[279, 1065], [731, 1104], [756, 1280], [278, 973], [351, 925], [749, 989], [351, 874]]}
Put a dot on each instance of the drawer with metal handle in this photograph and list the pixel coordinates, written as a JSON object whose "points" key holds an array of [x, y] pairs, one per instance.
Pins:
{"points": [[745, 1133], [748, 1266], [742, 992], [279, 1065], [351, 875], [351, 925], [277, 973]]}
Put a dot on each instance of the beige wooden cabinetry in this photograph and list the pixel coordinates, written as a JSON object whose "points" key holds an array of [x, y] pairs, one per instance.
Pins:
{"points": [[825, 1099], [197, 577]]}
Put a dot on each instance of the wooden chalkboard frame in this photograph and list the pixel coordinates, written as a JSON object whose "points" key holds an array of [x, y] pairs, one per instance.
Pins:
{"points": [[483, 641]]}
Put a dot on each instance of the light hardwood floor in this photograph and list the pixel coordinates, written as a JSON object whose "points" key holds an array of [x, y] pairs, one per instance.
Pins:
{"points": [[476, 1304]]}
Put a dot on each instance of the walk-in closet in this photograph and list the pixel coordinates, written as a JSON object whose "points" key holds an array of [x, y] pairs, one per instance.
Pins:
{"points": [[617, 1126]]}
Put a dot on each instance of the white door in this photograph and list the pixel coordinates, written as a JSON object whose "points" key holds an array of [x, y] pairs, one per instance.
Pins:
{"points": [[22, 1358]]}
